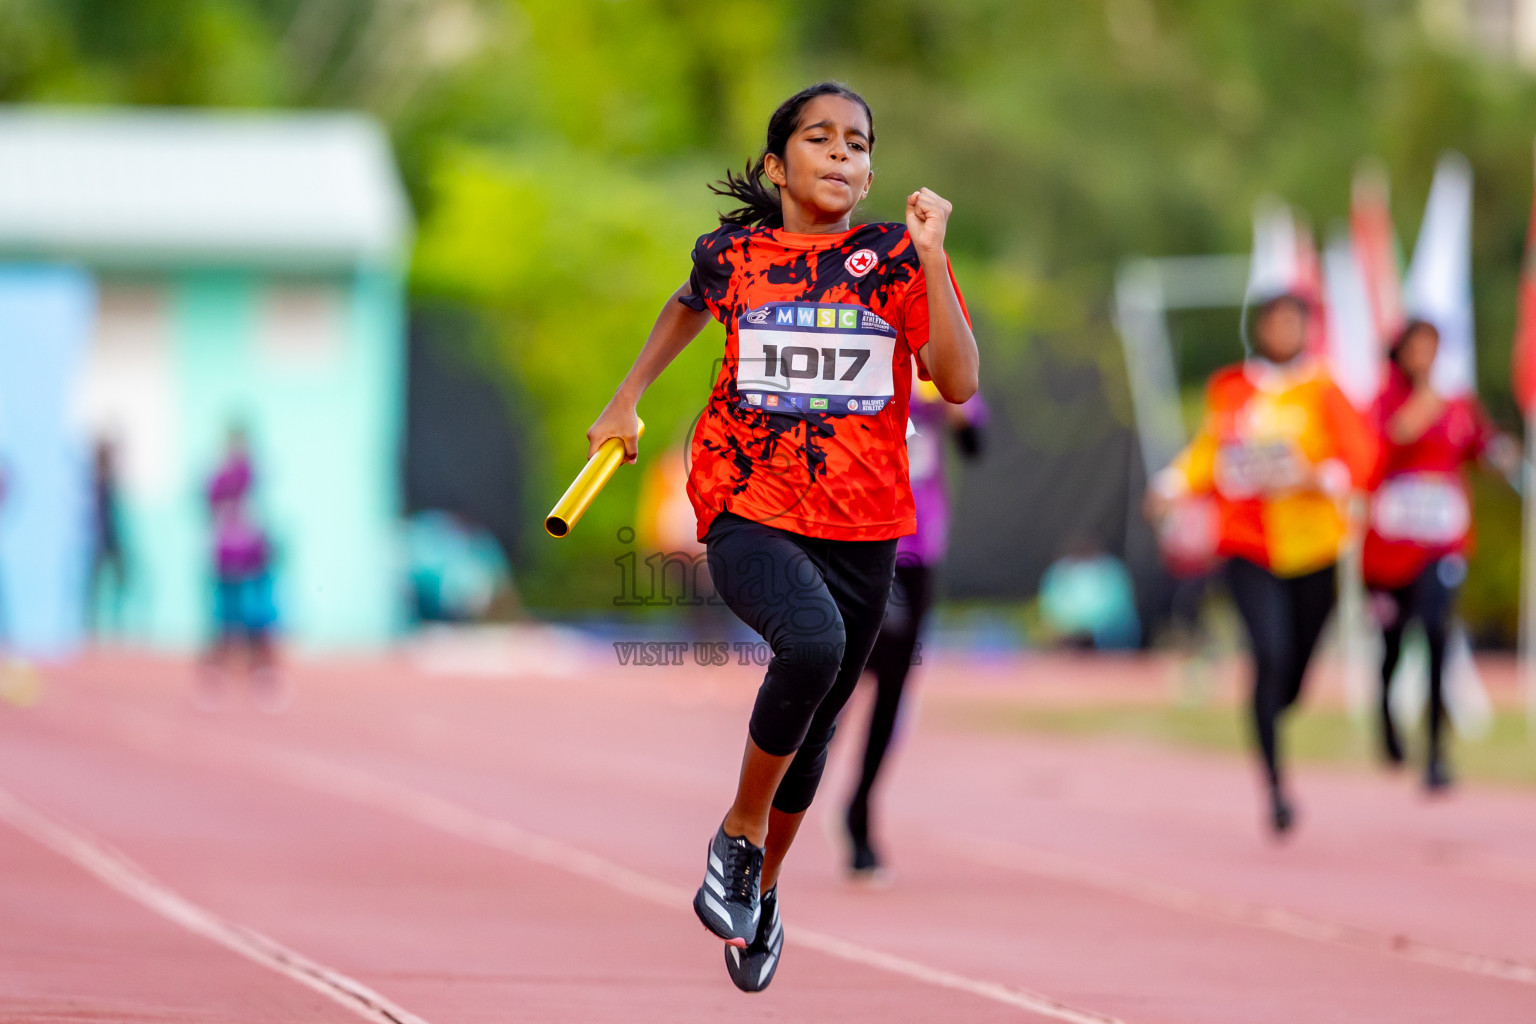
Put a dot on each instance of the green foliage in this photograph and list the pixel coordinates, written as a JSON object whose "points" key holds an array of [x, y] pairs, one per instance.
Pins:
{"points": [[1490, 599], [1320, 735], [557, 152], [569, 280]]}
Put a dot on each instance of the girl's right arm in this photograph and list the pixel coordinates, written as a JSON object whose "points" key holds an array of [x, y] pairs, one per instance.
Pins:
{"points": [[1415, 416], [675, 328]]}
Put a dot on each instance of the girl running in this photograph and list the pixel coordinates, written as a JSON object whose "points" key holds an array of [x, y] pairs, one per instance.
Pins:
{"points": [[1421, 521], [1280, 449], [799, 462]]}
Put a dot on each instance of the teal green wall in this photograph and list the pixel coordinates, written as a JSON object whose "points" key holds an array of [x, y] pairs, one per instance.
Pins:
{"points": [[325, 435]]}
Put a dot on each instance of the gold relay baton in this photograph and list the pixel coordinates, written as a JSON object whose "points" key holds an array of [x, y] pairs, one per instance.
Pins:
{"points": [[578, 497]]}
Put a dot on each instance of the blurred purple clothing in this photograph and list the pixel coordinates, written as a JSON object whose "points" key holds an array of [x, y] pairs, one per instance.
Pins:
{"points": [[232, 481], [240, 548], [239, 545], [926, 457]]}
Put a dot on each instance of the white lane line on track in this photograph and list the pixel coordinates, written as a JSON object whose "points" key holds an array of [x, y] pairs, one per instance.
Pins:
{"points": [[461, 822], [1257, 915], [357, 787], [113, 868]]}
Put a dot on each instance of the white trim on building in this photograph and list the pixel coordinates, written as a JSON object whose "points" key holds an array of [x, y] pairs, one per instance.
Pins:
{"points": [[318, 189]]}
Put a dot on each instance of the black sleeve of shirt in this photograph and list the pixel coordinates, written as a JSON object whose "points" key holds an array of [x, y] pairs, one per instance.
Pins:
{"points": [[692, 299], [711, 273]]}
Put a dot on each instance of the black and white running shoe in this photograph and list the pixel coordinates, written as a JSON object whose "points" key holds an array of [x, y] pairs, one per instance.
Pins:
{"points": [[728, 901], [752, 968]]}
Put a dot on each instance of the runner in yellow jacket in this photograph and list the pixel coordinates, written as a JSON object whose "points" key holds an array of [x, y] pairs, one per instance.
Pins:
{"points": [[1279, 450]]}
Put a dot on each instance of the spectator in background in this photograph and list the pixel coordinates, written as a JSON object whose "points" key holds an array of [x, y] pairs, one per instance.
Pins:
{"points": [[1088, 600], [244, 609], [457, 571], [108, 566]]}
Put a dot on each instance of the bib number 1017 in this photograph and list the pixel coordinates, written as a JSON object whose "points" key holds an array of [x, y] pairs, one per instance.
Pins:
{"points": [[802, 362]]}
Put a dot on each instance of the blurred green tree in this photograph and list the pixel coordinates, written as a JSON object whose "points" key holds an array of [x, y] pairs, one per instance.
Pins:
{"points": [[557, 152]]}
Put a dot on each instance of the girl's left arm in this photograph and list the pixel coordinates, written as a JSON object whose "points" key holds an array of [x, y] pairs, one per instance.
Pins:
{"points": [[950, 354]]}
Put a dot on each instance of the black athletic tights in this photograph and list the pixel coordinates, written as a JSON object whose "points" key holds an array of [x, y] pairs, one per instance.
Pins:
{"points": [[1428, 598], [1284, 619], [818, 603], [891, 660]]}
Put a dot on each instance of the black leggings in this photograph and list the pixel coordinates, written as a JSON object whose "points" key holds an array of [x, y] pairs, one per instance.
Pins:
{"points": [[1284, 619], [891, 660], [1428, 598], [818, 603]]}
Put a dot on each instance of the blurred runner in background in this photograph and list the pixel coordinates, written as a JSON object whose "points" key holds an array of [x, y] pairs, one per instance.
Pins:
{"points": [[918, 557], [1280, 449], [244, 609], [1420, 529]]}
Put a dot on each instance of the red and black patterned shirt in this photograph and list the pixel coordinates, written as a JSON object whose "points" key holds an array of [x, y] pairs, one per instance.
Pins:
{"points": [[806, 426]]}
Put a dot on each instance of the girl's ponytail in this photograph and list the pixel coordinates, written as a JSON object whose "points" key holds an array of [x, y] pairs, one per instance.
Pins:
{"points": [[759, 198]]}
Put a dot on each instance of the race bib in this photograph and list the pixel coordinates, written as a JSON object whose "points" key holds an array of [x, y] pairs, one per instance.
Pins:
{"points": [[1421, 508], [1254, 468], [798, 358]]}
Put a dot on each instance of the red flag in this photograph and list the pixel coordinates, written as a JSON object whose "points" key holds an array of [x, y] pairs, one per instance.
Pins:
{"points": [[1523, 370]]}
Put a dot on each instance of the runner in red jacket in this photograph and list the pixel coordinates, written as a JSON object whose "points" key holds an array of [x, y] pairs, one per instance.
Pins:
{"points": [[1420, 529]]}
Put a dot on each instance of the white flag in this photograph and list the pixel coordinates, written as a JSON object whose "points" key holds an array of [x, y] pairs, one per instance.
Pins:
{"points": [[1439, 286], [1275, 268]]}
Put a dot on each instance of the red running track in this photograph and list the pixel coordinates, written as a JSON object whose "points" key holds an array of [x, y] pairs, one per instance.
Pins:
{"points": [[413, 846]]}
